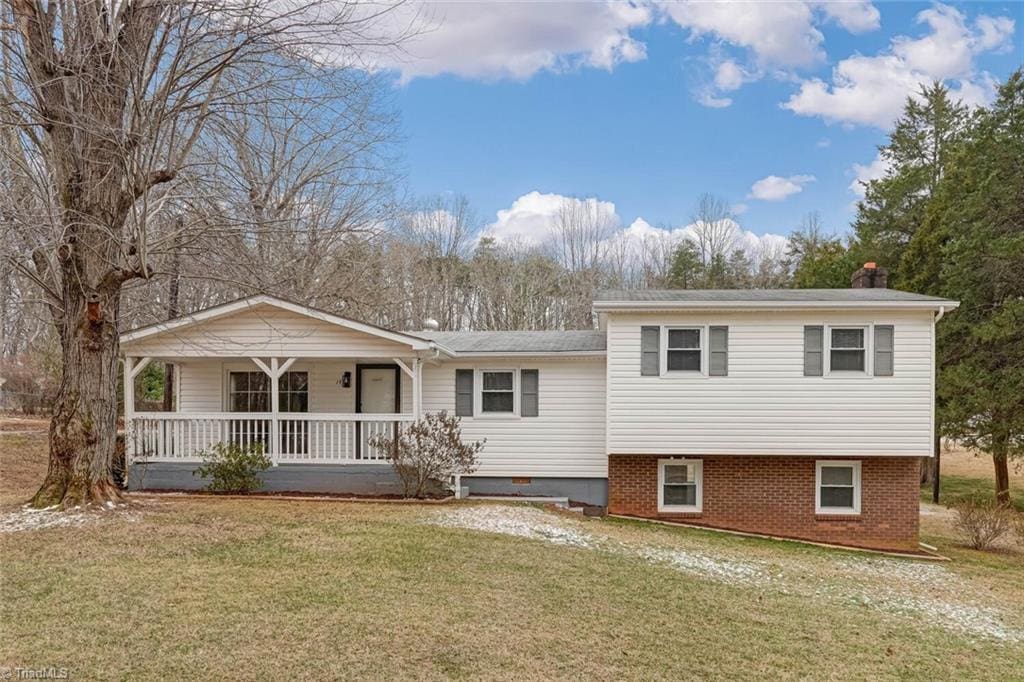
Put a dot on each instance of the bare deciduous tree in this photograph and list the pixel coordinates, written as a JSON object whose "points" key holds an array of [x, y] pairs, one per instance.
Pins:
{"points": [[102, 106]]}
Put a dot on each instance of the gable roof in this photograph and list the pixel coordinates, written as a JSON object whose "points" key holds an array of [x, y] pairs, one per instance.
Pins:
{"points": [[251, 302], [645, 299], [587, 341]]}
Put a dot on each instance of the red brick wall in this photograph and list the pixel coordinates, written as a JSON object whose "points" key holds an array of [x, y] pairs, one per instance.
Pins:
{"points": [[775, 496]]}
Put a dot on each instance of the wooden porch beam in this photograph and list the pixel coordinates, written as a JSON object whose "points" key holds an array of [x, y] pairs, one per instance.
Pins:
{"points": [[263, 366], [139, 367], [405, 367], [274, 371], [286, 366]]}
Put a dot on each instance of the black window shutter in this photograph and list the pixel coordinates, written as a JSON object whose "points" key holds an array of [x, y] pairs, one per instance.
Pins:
{"points": [[814, 353], [463, 393], [529, 389], [650, 352], [718, 365], [884, 337]]}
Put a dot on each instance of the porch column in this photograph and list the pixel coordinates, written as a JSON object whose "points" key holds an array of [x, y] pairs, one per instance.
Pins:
{"points": [[129, 413], [417, 388], [274, 372], [415, 373], [131, 371]]}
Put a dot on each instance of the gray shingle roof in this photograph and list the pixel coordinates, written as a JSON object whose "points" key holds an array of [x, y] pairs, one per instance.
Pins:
{"points": [[519, 342], [759, 295]]}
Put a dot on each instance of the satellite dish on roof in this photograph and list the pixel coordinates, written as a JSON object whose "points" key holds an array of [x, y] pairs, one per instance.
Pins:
{"points": [[431, 325]]}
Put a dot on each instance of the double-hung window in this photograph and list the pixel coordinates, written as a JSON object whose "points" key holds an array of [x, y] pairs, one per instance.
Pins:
{"points": [[846, 349], [680, 485], [683, 350], [838, 487], [498, 392]]}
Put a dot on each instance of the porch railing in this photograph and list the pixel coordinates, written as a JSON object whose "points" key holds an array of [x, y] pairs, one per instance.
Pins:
{"points": [[290, 438]]}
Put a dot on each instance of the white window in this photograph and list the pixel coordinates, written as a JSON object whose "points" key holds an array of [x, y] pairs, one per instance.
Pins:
{"points": [[683, 349], [838, 487], [498, 391], [680, 485], [847, 350]]}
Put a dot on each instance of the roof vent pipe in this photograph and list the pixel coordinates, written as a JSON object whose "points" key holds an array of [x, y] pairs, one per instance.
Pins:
{"points": [[431, 325]]}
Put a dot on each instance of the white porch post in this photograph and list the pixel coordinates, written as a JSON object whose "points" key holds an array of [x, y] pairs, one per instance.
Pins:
{"points": [[275, 424], [415, 373], [131, 370], [274, 371], [417, 388], [129, 413]]}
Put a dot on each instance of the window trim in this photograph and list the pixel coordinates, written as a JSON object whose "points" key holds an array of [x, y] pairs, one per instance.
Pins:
{"points": [[698, 465], [478, 394], [702, 329], [868, 370], [857, 487]]}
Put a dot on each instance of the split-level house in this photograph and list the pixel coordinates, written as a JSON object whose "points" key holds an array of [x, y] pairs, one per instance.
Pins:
{"points": [[796, 413]]}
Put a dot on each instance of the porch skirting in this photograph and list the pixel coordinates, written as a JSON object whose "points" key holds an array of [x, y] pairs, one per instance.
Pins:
{"points": [[356, 479]]}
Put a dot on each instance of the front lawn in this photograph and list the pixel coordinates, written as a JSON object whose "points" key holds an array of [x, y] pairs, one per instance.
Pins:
{"points": [[186, 587]]}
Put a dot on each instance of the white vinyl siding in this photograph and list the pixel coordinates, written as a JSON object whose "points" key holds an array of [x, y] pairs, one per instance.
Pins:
{"points": [[266, 331], [766, 405], [204, 385], [566, 438]]}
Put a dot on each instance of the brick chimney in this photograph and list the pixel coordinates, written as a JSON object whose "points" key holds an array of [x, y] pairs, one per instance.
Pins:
{"points": [[870, 277]]}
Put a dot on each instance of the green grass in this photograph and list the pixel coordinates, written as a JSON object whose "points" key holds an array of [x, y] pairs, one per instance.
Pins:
{"points": [[953, 488], [218, 588]]}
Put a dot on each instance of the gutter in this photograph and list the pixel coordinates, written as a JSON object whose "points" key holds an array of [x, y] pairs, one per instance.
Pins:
{"points": [[647, 306]]}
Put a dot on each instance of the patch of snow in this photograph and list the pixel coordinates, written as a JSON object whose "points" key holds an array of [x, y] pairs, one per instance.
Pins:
{"points": [[892, 586], [28, 518], [520, 521], [719, 569]]}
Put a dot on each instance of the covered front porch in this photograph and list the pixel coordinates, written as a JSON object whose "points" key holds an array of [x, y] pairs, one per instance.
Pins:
{"points": [[309, 390]]}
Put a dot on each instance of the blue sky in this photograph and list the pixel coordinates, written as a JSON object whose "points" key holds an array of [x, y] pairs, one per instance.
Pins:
{"points": [[646, 106]]}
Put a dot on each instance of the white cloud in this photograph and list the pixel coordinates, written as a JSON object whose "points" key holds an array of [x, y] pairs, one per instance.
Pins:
{"points": [[854, 16], [823, 143], [781, 34], [709, 99], [729, 76], [531, 219], [775, 36], [866, 90], [776, 188], [495, 40], [863, 174]]}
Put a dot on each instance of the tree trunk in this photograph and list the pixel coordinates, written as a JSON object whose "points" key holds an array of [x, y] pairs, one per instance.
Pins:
{"points": [[83, 430], [1002, 478]]}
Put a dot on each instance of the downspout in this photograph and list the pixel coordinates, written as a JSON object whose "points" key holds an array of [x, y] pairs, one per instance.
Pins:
{"points": [[937, 448]]}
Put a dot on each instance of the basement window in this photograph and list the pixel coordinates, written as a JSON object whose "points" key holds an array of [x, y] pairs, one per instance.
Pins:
{"points": [[838, 487], [680, 485]]}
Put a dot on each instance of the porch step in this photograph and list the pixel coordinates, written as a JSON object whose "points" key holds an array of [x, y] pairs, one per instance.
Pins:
{"points": [[557, 501]]}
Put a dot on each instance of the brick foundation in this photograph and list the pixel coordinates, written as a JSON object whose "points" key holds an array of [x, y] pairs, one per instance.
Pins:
{"points": [[775, 496]]}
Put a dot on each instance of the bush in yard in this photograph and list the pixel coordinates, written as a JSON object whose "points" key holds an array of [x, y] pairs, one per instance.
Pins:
{"points": [[233, 468], [982, 521], [429, 452]]}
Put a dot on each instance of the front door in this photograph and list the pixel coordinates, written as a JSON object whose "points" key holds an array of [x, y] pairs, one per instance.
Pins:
{"points": [[377, 393]]}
